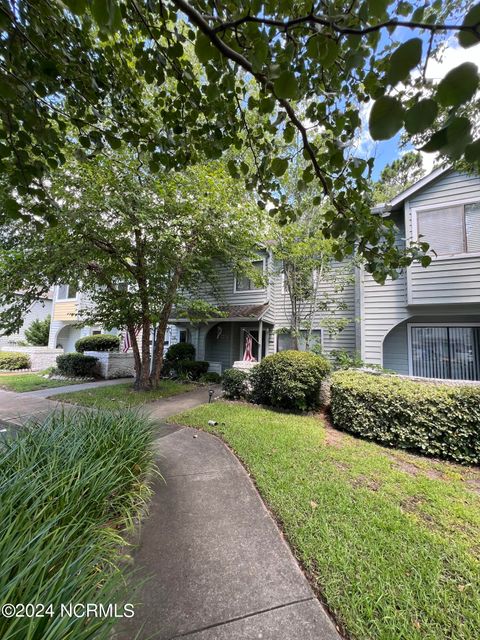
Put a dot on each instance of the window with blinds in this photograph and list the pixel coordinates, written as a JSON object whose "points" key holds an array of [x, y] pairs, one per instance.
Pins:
{"points": [[446, 352], [451, 230]]}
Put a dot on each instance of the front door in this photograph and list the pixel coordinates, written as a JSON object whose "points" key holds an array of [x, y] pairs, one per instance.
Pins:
{"points": [[254, 334]]}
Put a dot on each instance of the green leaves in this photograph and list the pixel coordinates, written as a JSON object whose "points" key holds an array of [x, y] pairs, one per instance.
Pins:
{"points": [[469, 38], [421, 116], [459, 85], [77, 6], [204, 49], [285, 85], [106, 14], [472, 152], [386, 118], [452, 139], [403, 60], [279, 166]]}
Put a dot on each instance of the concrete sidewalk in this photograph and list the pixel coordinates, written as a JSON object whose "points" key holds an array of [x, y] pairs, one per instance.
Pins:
{"points": [[81, 386], [214, 562]]}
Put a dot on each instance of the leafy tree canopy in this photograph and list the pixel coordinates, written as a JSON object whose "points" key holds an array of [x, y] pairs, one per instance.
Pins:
{"points": [[398, 176], [137, 243], [122, 72]]}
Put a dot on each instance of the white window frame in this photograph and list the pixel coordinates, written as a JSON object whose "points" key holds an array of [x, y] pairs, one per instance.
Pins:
{"points": [[247, 291], [65, 299], [438, 207], [411, 325]]}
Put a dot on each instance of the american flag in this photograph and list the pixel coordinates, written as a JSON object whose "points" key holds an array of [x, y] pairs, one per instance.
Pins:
{"points": [[127, 343], [248, 355]]}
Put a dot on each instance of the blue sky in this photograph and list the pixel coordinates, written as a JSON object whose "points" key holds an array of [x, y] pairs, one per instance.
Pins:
{"points": [[388, 150]]}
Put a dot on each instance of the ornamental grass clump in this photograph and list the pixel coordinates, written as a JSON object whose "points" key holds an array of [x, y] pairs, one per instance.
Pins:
{"points": [[435, 419], [71, 486]]}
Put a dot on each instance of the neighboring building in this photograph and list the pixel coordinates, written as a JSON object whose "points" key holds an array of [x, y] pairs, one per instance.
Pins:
{"points": [[64, 329], [259, 313], [427, 323], [39, 310]]}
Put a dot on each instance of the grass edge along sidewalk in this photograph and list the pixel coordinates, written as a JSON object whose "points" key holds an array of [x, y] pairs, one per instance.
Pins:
{"points": [[389, 539]]}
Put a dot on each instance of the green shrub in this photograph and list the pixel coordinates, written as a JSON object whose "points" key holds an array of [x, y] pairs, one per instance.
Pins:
{"points": [[12, 361], [191, 369], [176, 353], [71, 488], [235, 383], [289, 380], [100, 342], [342, 359], [434, 419], [76, 365], [212, 377], [38, 332]]}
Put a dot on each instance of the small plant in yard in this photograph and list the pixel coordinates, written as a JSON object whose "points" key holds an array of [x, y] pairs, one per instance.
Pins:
{"points": [[289, 380], [176, 353], [211, 377], [38, 332], [76, 364], [101, 342], [434, 419], [12, 361], [71, 487], [191, 369], [235, 384]]}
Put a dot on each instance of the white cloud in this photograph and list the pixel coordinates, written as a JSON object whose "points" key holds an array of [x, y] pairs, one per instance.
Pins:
{"points": [[453, 55]]}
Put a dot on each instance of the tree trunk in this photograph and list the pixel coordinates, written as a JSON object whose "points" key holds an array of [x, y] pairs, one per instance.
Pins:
{"points": [[141, 357]]}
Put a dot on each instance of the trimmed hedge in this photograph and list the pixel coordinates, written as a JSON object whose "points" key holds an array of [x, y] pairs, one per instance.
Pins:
{"points": [[235, 383], [289, 380], [437, 420], [76, 364], [100, 342], [191, 369], [211, 377], [12, 361]]}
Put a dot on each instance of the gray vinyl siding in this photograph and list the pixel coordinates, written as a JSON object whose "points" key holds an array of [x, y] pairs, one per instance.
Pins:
{"points": [[223, 292], [343, 340], [444, 290], [382, 306], [447, 280]]}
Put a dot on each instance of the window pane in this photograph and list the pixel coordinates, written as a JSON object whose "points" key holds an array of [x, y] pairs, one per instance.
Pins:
{"points": [[430, 352], [62, 292], [244, 283], [446, 352], [472, 226], [72, 291], [464, 353], [443, 229], [284, 342], [315, 338]]}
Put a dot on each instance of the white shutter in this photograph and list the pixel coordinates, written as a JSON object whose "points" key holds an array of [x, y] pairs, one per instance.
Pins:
{"points": [[443, 229], [472, 226]]}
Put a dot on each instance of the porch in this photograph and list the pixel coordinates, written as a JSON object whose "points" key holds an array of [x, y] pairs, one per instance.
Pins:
{"points": [[222, 341]]}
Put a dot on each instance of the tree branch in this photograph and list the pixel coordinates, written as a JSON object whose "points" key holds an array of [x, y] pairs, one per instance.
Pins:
{"points": [[237, 57]]}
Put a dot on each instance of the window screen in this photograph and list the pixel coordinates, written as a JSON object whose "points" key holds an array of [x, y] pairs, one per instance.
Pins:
{"points": [[243, 283], [446, 352], [285, 340], [472, 226], [443, 229]]}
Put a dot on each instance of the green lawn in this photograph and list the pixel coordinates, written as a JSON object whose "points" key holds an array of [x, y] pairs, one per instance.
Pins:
{"points": [[30, 382], [121, 396], [391, 540]]}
